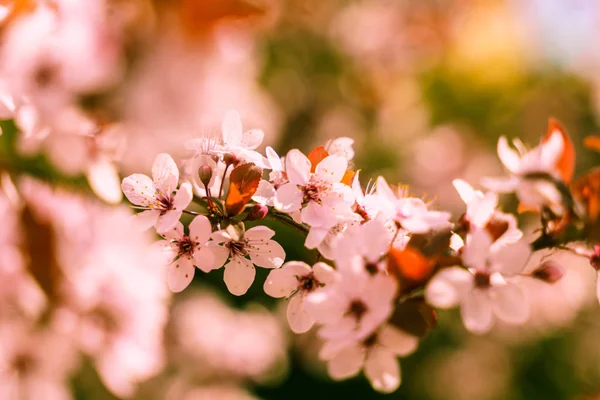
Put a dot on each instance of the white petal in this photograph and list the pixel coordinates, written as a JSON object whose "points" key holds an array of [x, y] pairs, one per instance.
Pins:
{"points": [[139, 189], [509, 303], [384, 191], [146, 219], [551, 150], [383, 370], [232, 129], [165, 173], [239, 275], [259, 233], [448, 287], [300, 321], [476, 251], [476, 312], [282, 282], [183, 197], [501, 185], [252, 139], [175, 233], [397, 341], [200, 229], [332, 168], [205, 258], [297, 166], [103, 178], [220, 254], [324, 273], [315, 236], [465, 191], [511, 259], [480, 210], [315, 214], [508, 156], [265, 193], [274, 159], [269, 254], [288, 198], [181, 273], [346, 363], [167, 221]]}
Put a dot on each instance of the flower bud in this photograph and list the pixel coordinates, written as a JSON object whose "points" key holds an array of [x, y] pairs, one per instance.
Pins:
{"points": [[548, 272], [231, 159], [205, 173], [257, 212]]}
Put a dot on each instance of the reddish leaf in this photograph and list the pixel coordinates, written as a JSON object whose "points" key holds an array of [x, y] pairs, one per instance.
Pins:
{"points": [[592, 142], [39, 244], [317, 155], [243, 182], [586, 189], [410, 267], [566, 162], [415, 317]]}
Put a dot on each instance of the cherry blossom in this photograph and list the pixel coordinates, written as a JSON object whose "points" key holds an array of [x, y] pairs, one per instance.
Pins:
{"points": [[410, 212], [244, 250], [353, 306], [295, 280], [525, 167], [485, 289], [482, 214], [369, 241], [320, 195], [186, 251], [267, 189], [341, 146], [34, 364], [159, 196], [239, 143], [376, 355]]}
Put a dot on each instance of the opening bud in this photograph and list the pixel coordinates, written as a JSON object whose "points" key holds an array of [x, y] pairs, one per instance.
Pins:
{"points": [[548, 272], [231, 159], [257, 212], [205, 174]]}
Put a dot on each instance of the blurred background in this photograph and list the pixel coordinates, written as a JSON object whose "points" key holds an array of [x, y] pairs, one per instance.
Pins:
{"points": [[424, 87]]}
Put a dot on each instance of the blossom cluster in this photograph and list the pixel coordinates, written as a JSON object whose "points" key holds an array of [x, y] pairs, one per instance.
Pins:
{"points": [[382, 254]]}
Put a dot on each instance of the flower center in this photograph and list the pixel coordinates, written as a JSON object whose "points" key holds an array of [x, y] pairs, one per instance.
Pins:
{"points": [[23, 363], [237, 248], [482, 280], [165, 201], [186, 246], [308, 283], [357, 309]]}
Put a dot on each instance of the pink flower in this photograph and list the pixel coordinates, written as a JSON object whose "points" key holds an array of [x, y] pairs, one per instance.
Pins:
{"points": [[542, 159], [485, 289], [320, 195], [244, 250], [185, 251], [354, 306], [239, 143], [410, 212], [481, 212], [164, 204], [295, 280], [376, 355], [34, 364]]}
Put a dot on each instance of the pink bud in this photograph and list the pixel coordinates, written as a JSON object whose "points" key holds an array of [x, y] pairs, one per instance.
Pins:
{"points": [[548, 272], [257, 212]]}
